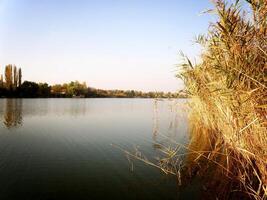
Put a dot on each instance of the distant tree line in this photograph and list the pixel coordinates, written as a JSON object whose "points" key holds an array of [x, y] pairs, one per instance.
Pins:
{"points": [[11, 86]]}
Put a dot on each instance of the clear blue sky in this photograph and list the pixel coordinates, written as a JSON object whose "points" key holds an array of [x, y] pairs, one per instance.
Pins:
{"points": [[110, 44]]}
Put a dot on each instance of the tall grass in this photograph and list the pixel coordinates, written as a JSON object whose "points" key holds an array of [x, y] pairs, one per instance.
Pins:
{"points": [[228, 91]]}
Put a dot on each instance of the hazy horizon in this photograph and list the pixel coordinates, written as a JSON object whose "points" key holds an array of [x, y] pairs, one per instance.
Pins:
{"points": [[108, 44]]}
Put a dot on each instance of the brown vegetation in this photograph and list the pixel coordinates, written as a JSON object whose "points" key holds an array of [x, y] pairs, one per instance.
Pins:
{"points": [[229, 97]]}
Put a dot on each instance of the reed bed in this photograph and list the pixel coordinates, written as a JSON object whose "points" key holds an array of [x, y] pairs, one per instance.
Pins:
{"points": [[228, 96]]}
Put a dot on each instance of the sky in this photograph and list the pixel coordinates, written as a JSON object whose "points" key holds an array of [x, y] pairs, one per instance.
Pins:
{"points": [[109, 44]]}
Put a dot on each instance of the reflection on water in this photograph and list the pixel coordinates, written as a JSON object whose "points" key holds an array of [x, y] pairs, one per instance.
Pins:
{"points": [[13, 113], [155, 120], [13, 110], [211, 165], [175, 119]]}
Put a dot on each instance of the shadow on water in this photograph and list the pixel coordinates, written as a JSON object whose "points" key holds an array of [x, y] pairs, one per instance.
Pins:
{"points": [[13, 116]]}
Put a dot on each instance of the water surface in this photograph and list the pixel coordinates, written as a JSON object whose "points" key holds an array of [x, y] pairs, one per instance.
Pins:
{"points": [[60, 148]]}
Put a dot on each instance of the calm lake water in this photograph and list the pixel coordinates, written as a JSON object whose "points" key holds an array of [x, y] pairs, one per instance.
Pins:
{"points": [[61, 148]]}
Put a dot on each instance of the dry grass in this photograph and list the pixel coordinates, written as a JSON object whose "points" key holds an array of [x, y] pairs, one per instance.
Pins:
{"points": [[228, 93]]}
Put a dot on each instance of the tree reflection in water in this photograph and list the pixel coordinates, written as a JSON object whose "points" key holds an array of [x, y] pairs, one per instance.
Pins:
{"points": [[13, 113]]}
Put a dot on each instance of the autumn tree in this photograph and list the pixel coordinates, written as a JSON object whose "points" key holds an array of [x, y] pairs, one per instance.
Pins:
{"points": [[56, 89], [9, 77]]}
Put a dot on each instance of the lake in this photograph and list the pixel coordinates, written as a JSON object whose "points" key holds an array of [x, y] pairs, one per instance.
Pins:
{"points": [[61, 148]]}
